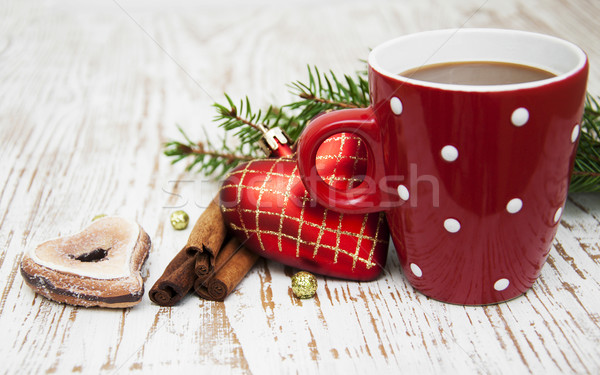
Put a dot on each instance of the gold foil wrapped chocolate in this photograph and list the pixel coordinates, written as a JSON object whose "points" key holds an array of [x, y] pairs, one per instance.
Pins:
{"points": [[179, 220], [304, 285]]}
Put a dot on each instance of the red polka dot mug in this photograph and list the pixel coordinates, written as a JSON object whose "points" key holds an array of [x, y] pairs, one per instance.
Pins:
{"points": [[473, 177]]}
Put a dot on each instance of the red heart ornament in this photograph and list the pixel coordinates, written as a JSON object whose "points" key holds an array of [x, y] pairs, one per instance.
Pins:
{"points": [[269, 210]]}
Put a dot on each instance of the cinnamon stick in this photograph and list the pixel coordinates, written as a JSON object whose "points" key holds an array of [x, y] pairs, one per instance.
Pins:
{"points": [[208, 233], [231, 265], [202, 266], [175, 282], [206, 237], [225, 254]]}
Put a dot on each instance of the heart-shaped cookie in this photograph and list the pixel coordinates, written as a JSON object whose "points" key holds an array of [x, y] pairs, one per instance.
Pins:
{"points": [[269, 210], [99, 266]]}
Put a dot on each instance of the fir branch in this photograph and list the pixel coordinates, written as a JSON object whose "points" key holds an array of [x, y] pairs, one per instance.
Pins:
{"points": [[241, 120], [248, 125], [205, 157], [323, 92], [327, 101], [175, 148], [586, 171]]}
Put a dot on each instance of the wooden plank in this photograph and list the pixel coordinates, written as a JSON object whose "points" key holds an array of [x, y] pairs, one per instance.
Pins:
{"points": [[90, 93]]}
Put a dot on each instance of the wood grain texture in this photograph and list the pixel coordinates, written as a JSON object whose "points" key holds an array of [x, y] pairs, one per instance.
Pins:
{"points": [[88, 94]]}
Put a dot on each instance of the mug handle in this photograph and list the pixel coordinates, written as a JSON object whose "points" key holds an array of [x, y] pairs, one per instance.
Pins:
{"points": [[364, 198]]}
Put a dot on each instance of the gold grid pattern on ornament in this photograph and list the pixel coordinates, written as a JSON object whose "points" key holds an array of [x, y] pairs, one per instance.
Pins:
{"points": [[341, 155], [317, 245]]}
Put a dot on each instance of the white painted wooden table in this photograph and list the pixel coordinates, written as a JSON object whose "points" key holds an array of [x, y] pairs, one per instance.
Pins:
{"points": [[88, 94]]}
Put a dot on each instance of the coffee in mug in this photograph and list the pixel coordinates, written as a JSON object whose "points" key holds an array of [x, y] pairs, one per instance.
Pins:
{"points": [[477, 73]]}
